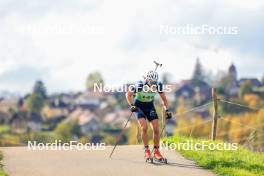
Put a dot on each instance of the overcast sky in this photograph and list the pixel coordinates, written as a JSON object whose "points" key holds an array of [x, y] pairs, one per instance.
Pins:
{"points": [[61, 41]]}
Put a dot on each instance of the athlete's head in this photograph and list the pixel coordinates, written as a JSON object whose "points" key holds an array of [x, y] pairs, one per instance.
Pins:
{"points": [[152, 77]]}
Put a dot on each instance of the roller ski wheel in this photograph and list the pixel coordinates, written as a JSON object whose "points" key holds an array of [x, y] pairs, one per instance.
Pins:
{"points": [[149, 160], [161, 160], [158, 157]]}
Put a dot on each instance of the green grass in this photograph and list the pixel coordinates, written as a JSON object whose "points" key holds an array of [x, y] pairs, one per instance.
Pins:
{"points": [[4, 129], [240, 162], [2, 173]]}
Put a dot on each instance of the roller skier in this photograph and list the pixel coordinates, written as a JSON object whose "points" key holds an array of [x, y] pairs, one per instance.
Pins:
{"points": [[141, 102]]}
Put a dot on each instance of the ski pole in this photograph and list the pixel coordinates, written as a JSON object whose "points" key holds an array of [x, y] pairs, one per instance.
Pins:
{"points": [[120, 135]]}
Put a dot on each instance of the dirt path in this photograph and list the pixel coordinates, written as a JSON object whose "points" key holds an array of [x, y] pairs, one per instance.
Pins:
{"points": [[126, 161]]}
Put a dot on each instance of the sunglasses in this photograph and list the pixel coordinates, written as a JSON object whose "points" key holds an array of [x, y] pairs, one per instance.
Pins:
{"points": [[152, 82]]}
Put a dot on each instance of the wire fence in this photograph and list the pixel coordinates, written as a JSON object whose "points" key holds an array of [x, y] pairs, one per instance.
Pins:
{"points": [[238, 104], [255, 132], [252, 132], [189, 111], [194, 125], [193, 109]]}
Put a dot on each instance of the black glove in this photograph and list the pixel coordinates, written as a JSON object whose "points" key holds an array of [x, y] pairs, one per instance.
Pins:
{"points": [[133, 108], [168, 114]]}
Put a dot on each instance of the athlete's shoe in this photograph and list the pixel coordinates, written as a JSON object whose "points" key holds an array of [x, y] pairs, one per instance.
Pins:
{"points": [[157, 154], [147, 153]]}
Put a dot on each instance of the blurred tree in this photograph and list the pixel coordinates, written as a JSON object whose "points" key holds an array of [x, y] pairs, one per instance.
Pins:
{"points": [[166, 78], [245, 88], [35, 102], [262, 80], [210, 78], [39, 88], [198, 74], [65, 131], [109, 140], [133, 133], [259, 125], [94, 78], [180, 109], [84, 140], [251, 99], [181, 105], [40, 137], [226, 83], [194, 127]]}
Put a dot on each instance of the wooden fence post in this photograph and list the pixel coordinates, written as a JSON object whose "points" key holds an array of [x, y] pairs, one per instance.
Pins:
{"points": [[215, 114]]}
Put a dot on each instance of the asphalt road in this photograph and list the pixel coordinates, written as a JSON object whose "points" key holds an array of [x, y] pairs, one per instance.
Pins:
{"points": [[126, 161]]}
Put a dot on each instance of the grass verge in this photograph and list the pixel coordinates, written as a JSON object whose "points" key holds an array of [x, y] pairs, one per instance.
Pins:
{"points": [[240, 162], [2, 173]]}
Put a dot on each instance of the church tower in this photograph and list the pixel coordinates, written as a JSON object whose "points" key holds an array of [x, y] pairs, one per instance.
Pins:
{"points": [[233, 72]]}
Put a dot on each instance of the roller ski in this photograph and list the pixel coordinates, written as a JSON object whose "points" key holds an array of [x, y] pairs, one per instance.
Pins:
{"points": [[147, 156], [158, 157]]}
